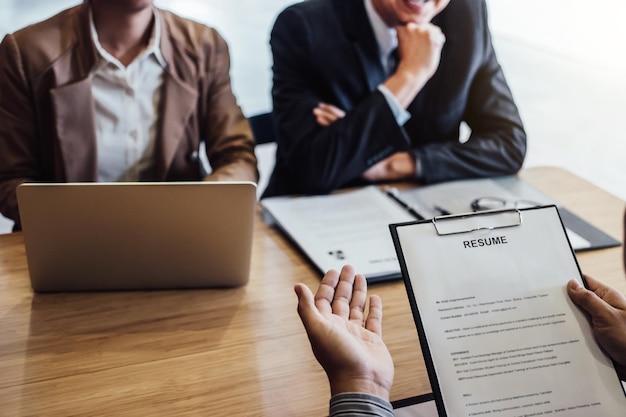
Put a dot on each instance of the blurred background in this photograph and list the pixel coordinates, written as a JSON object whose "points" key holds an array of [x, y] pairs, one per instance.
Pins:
{"points": [[563, 59]]}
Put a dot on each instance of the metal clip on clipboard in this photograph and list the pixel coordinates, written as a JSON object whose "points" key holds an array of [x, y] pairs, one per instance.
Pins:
{"points": [[474, 222]]}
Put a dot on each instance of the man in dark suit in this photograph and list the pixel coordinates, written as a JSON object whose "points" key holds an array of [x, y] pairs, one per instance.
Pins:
{"points": [[343, 119]]}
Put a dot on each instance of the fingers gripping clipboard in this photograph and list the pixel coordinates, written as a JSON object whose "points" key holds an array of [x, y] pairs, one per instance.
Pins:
{"points": [[498, 332]]}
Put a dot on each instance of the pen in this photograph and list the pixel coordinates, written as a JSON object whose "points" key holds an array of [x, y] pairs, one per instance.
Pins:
{"points": [[393, 193], [442, 211]]}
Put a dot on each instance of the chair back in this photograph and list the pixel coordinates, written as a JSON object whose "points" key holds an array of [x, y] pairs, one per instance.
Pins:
{"points": [[262, 126]]}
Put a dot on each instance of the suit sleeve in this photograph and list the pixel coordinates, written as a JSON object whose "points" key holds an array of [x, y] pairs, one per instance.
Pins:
{"points": [[312, 158], [18, 143], [229, 141], [497, 145]]}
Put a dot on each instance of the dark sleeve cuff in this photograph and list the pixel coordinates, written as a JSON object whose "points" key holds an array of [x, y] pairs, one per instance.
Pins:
{"points": [[419, 166]]}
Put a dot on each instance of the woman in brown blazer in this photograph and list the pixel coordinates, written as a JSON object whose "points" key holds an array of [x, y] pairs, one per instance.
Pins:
{"points": [[48, 125]]}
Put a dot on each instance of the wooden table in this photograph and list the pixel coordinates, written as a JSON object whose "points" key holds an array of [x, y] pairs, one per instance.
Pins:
{"points": [[214, 352]]}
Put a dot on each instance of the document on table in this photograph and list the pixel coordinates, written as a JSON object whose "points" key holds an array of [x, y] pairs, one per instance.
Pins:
{"points": [[457, 196], [352, 226], [344, 228], [499, 334]]}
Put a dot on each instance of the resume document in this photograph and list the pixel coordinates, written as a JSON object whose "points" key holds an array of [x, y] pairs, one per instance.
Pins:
{"points": [[499, 333]]}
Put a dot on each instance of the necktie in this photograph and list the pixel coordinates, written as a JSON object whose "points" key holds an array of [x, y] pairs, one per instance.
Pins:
{"points": [[392, 61]]}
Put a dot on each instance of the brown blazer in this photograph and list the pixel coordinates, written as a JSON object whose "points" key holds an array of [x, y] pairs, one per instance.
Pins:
{"points": [[47, 123]]}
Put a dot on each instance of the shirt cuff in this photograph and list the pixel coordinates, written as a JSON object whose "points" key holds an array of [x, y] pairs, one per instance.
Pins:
{"points": [[401, 114], [353, 404], [419, 167]]}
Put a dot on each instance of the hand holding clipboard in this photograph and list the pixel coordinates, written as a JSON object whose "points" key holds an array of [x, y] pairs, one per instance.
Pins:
{"points": [[498, 333]]}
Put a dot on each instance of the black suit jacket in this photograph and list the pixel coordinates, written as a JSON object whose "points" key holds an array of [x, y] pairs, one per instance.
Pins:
{"points": [[325, 51]]}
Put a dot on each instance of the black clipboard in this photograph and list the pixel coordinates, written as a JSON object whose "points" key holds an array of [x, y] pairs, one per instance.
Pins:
{"points": [[444, 227]]}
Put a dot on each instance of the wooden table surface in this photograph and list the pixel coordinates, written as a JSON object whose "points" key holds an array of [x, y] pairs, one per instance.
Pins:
{"points": [[215, 352]]}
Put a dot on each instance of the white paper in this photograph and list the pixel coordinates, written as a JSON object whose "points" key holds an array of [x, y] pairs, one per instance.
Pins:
{"points": [[504, 337], [345, 228]]}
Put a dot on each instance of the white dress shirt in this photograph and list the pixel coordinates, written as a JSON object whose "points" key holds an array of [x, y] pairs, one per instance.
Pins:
{"points": [[387, 40], [126, 103]]}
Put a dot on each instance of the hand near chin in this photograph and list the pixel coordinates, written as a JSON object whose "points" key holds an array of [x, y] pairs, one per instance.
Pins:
{"points": [[419, 48], [419, 53]]}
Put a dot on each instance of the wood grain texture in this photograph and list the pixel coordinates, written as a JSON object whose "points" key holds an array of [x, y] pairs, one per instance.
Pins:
{"points": [[596, 206], [234, 352]]}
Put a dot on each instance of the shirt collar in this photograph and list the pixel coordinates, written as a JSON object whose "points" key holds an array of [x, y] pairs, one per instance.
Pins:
{"points": [[154, 43], [386, 37]]}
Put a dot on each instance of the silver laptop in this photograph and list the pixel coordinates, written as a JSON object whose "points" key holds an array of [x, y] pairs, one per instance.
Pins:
{"points": [[137, 236]]}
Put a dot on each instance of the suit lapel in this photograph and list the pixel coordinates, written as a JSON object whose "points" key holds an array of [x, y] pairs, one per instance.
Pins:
{"points": [[76, 129], [177, 104], [353, 18], [74, 110], [73, 106], [178, 101]]}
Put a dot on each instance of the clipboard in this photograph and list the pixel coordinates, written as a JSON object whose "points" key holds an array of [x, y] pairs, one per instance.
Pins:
{"points": [[498, 332]]}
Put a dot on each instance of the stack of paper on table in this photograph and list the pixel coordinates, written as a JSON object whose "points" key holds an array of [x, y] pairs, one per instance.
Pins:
{"points": [[351, 227]]}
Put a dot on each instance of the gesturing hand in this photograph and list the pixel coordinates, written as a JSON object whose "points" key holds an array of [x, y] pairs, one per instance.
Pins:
{"points": [[347, 345]]}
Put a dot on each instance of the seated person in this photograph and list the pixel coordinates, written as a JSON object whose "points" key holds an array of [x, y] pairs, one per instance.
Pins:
{"points": [[349, 346], [117, 91], [376, 90]]}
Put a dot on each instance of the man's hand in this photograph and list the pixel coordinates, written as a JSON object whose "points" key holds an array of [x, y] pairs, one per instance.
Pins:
{"points": [[399, 166], [607, 310], [346, 343], [325, 114], [419, 52], [419, 48]]}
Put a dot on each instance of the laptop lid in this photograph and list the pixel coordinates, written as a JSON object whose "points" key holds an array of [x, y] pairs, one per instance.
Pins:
{"points": [[137, 236]]}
